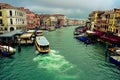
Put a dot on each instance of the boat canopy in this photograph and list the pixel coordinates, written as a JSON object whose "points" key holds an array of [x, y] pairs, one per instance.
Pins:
{"points": [[30, 31], [41, 40], [90, 32], [26, 35], [11, 34], [39, 31]]}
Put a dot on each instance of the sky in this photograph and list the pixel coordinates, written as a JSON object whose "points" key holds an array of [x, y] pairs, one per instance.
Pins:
{"points": [[71, 8]]}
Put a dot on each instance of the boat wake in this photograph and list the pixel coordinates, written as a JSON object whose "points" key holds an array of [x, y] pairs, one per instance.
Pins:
{"points": [[55, 63]]}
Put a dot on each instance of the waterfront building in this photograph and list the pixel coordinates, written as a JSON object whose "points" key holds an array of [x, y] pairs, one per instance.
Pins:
{"points": [[97, 18], [37, 21], [61, 20], [32, 19], [44, 21], [93, 16], [48, 20], [11, 18], [106, 21], [53, 21], [75, 22], [114, 21], [107, 25], [70, 22]]}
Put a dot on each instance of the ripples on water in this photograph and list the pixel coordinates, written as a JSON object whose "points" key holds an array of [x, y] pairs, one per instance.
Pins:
{"points": [[56, 64], [73, 61]]}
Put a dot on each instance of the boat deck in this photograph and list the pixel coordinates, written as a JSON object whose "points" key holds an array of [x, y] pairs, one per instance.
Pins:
{"points": [[115, 60], [26, 35], [39, 33]]}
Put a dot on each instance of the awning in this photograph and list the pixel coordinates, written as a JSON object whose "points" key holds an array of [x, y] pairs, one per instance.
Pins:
{"points": [[10, 34]]}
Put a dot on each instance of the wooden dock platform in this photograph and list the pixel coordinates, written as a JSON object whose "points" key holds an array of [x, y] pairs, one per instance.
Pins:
{"points": [[111, 50]]}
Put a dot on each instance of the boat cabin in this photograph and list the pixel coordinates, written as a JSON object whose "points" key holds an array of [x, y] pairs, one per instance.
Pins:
{"points": [[42, 44], [39, 33], [26, 38]]}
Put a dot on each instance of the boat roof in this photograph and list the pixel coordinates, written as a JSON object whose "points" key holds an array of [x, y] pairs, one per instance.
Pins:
{"points": [[31, 31], [12, 33], [26, 35], [39, 31], [90, 32], [41, 40]]}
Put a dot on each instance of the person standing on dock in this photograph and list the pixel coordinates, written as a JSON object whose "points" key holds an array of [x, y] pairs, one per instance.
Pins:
{"points": [[19, 45], [115, 48], [106, 50]]}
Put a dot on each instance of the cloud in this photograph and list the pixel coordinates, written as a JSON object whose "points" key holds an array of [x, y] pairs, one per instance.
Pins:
{"points": [[77, 4], [72, 8]]}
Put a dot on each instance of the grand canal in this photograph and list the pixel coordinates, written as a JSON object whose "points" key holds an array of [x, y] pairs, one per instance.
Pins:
{"points": [[69, 59]]}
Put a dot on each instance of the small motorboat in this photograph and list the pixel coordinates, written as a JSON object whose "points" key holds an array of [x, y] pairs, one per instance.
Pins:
{"points": [[7, 50]]}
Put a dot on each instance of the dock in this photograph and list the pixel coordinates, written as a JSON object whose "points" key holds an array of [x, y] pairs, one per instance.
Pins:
{"points": [[114, 51], [10, 38], [27, 39]]}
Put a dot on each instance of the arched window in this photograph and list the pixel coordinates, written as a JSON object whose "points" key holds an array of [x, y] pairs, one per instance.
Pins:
{"points": [[10, 13], [5, 29], [11, 21], [11, 29]]}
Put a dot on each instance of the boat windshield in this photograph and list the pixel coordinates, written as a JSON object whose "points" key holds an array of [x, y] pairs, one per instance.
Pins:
{"points": [[44, 47]]}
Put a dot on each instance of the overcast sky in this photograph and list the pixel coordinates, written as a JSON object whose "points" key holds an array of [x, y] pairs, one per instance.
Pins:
{"points": [[70, 8]]}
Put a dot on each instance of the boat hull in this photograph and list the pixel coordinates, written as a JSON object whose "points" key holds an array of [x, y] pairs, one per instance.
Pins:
{"points": [[40, 50], [7, 51], [115, 60]]}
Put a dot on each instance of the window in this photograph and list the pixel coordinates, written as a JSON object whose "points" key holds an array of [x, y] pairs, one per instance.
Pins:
{"points": [[11, 21], [0, 7], [15, 13], [22, 21], [10, 13], [116, 30], [0, 13], [1, 22], [5, 29]]}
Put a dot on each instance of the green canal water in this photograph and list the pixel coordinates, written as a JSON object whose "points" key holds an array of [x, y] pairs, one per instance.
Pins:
{"points": [[69, 59]]}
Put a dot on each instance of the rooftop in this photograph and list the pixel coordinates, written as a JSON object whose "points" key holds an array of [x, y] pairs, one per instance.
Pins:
{"points": [[10, 34]]}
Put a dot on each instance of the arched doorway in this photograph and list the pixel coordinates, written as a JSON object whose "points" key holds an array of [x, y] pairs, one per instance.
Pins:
{"points": [[12, 29]]}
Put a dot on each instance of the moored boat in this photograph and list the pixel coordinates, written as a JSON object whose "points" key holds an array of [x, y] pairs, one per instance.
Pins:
{"points": [[7, 50], [52, 28], [42, 44], [39, 33], [27, 38], [115, 60], [85, 39], [78, 36], [32, 32]]}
